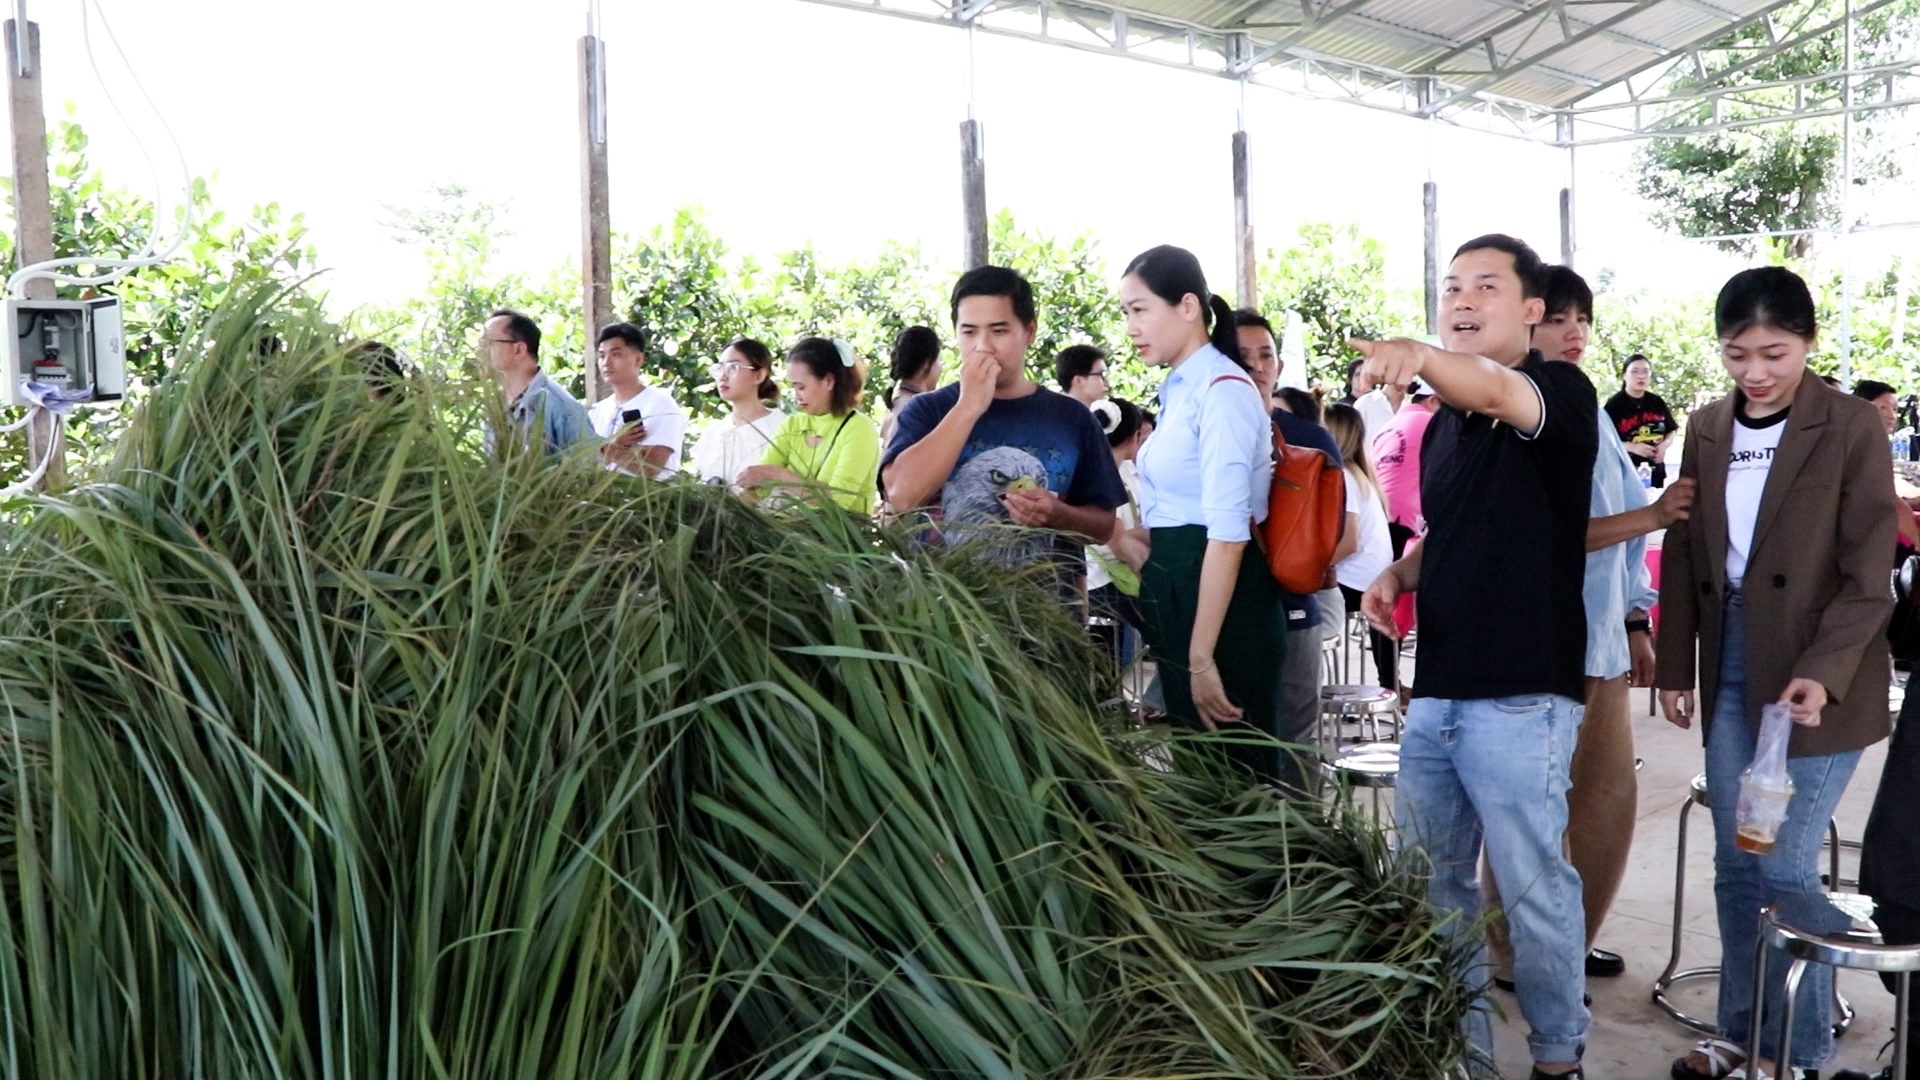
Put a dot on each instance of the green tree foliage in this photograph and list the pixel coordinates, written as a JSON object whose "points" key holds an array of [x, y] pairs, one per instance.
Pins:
{"points": [[1335, 277], [1776, 176]]}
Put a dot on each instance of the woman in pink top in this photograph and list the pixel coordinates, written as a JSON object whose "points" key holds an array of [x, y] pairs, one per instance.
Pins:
{"points": [[1396, 463], [1396, 458]]}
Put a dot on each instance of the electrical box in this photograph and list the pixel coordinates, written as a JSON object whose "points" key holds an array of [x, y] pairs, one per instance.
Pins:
{"points": [[75, 347]]}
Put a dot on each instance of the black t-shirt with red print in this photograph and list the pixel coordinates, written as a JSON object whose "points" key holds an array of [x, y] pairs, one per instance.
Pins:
{"points": [[1644, 420]]}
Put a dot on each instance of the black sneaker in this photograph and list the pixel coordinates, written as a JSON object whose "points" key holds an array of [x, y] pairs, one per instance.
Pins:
{"points": [[1578, 1073], [1602, 964]]}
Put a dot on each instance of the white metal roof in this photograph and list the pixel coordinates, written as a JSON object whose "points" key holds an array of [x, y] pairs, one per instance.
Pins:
{"points": [[1563, 71]]}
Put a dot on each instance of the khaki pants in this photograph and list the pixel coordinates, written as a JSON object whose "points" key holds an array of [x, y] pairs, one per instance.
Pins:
{"points": [[1601, 807]]}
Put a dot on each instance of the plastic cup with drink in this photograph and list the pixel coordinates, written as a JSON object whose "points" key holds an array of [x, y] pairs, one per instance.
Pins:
{"points": [[1765, 788]]}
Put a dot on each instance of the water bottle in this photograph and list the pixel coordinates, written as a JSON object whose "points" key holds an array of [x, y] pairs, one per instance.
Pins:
{"points": [[1902, 443], [1646, 474]]}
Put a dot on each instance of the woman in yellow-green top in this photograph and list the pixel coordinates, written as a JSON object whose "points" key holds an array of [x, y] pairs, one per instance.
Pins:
{"points": [[828, 443]]}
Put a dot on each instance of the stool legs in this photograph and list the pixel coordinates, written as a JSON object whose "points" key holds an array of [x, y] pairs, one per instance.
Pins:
{"points": [[1900, 1026], [1673, 975]]}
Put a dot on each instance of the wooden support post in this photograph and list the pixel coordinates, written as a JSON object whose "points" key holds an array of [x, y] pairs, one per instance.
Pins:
{"points": [[596, 235], [973, 195], [1245, 276], [1430, 213], [33, 216]]}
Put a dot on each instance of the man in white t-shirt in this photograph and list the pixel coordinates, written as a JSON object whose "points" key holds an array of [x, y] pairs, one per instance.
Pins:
{"points": [[642, 425]]}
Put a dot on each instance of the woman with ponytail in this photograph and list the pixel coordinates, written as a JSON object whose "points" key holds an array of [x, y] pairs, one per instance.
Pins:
{"points": [[1213, 611]]}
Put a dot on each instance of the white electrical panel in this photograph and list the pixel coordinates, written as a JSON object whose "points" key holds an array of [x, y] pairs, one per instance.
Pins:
{"points": [[73, 347]]}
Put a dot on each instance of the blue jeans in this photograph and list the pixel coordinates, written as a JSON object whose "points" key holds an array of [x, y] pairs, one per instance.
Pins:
{"points": [[1744, 883], [1499, 769]]}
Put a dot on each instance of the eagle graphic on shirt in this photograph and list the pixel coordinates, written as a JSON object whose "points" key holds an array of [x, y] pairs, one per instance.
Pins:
{"points": [[973, 504]]}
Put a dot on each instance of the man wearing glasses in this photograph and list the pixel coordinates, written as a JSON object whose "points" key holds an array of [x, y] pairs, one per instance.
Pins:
{"points": [[511, 344], [1082, 373]]}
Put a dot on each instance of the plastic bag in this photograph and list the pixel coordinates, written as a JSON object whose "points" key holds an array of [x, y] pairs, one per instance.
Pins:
{"points": [[1765, 788]]}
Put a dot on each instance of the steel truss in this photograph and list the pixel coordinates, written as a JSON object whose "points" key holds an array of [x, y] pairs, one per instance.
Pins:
{"points": [[1679, 90]]}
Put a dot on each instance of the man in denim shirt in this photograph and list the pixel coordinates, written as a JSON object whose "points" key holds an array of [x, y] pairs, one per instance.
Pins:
{"points": [[511, 344]]}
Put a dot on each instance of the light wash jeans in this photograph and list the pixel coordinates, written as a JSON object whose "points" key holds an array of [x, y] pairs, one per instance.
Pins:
{"points": [[1498, 769], [1789, 875]]}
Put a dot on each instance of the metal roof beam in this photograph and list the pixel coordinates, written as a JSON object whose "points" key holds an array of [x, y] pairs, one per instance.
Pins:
{"points": [[1611, 35], [1498, 75], [1305, 30], [1702, 42]]}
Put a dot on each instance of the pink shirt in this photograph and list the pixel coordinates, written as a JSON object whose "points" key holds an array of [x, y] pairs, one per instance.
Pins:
{"points": [[1396, 461]]}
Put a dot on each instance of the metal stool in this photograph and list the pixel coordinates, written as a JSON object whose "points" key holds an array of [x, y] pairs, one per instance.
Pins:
{"points": [[1370, 765], [1857, 947], [1365, 705], [1698, 797]]}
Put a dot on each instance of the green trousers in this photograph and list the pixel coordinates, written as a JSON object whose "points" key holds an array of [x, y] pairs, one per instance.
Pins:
{"points": [[1251, 646]]}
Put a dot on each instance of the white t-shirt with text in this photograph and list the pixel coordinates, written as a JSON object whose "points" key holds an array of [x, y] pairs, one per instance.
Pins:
{"points": [[1747, 469]]}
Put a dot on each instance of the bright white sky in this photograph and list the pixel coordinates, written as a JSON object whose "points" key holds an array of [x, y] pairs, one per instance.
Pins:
{"points": [[789, 122]]}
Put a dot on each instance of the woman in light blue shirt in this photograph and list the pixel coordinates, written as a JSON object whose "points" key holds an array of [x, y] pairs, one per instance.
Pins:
{"points": [[1213, 612]]}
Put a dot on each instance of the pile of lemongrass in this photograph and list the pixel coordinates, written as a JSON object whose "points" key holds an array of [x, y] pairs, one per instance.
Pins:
{"points": [[335, 747]]}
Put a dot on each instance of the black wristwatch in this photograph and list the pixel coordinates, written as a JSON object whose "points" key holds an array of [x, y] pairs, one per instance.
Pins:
{"points": [[1644, 626]]}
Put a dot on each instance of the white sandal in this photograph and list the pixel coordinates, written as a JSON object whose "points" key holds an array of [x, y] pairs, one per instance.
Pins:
{"points": [[1795, 1073], [1721, 1056]]}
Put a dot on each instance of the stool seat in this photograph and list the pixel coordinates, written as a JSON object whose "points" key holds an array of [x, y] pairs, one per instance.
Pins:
{"points": [[1369, 764], [1699, 792], [1836, 930], [1348, 700], [1857, 946]]}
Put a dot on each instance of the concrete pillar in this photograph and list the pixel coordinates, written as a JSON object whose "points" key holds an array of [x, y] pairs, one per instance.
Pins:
{"points": [[1430, 213], [973, 195], [1566, 226], [1245, 277]]}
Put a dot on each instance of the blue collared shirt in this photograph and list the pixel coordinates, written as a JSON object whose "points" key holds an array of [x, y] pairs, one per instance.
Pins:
{"points": [[1617, 580], [1209, 460]]}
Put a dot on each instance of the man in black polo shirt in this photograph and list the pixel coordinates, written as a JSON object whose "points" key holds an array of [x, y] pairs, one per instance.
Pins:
{"points": [[1300, 669], [1507, 466]]}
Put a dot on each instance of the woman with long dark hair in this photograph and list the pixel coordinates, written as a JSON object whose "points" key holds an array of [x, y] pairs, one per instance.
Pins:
{"points": [[1779, 581], [1213, 611]]}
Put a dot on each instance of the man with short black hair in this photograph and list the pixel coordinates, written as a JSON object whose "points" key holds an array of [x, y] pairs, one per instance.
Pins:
{"points": [[1300, 668], [511, 345], [1486, 746], [1082, 373], [642, 425], [995, 446]]}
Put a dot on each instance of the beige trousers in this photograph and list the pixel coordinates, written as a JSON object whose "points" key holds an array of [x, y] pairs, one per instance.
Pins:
{"points": [[1601, 806]]}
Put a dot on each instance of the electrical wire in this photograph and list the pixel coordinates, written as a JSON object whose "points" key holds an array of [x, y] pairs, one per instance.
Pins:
{"points": [[118, 268], [40, 470]]}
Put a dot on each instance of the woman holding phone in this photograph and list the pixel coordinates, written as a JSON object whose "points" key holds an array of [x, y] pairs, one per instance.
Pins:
{"points": [[1780, 580], [829, 444]]}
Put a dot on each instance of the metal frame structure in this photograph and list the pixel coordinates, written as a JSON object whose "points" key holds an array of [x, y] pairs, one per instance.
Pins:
{"points": [[1561, 72]]}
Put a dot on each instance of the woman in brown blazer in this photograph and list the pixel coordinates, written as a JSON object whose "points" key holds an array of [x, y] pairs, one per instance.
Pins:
{"points": [[1780, 580]]}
